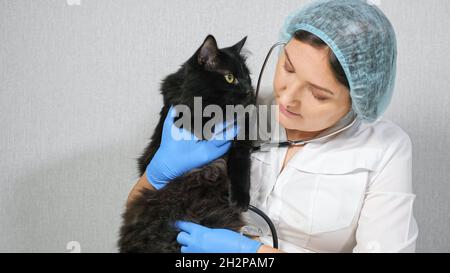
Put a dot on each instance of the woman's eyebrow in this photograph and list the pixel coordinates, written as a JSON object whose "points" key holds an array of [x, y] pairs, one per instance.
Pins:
{"points": [[314, 85], [321, 88]]}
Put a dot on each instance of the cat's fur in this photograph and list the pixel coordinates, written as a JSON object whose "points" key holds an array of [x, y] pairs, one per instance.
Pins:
{"points": [[214, 195]]}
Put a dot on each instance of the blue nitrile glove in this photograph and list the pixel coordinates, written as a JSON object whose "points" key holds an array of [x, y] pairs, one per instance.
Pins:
{"points": [[180, 151], [195, 238]]}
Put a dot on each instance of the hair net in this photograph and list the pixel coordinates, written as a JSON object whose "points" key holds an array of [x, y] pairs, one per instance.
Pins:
{"points": [[364, 42]]}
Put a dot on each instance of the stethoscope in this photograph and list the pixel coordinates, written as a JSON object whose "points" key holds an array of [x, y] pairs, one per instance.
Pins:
{"points": [[346, 122]]}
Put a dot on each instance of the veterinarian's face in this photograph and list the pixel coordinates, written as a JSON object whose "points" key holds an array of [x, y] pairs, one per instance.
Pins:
{"points": [[309, 96]]}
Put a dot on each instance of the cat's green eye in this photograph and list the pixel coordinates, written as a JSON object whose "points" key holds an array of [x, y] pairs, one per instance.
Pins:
{"points": [[230, 78]]}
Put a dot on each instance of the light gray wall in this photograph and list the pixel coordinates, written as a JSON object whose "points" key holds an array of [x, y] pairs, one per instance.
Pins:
{"points": [[79, 98]]}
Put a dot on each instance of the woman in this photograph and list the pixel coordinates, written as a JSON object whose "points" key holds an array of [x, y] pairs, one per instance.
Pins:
{"points": [[347, 192]]}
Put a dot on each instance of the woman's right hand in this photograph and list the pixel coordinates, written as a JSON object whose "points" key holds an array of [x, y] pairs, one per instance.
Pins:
{"points": [[181, 151]]}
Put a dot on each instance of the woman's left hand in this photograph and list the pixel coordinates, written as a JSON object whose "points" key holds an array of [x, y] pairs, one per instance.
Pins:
{"points": [[195, 238]]}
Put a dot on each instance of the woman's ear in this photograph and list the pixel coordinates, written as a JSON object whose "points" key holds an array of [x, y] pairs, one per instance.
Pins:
{"points": [[208, 53]]}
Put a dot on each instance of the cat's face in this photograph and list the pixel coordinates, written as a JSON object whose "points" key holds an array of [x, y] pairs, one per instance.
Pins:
{"points": [[220, 76]]}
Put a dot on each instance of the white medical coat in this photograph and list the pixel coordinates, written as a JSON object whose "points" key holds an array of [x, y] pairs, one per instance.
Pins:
{"points": [[351, 192]]}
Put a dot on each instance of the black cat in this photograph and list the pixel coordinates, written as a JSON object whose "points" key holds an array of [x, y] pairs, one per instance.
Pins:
{"points": [[214, 195]]}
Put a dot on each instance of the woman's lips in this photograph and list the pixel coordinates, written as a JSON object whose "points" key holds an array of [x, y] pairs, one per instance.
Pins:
{"points": [[287, 113]]}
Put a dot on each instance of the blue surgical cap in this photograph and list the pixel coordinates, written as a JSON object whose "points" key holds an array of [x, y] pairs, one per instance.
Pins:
{"points": [[364, 42]]}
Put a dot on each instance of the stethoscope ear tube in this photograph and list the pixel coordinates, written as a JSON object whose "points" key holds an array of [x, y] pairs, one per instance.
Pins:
{"points": [[264, 66]]}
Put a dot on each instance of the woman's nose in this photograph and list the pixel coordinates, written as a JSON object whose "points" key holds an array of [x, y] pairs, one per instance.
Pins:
{"points": [[288, 97]]}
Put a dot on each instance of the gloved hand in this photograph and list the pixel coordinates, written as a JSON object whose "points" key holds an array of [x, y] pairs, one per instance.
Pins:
{"points": [[181, 151], [196, 238]]}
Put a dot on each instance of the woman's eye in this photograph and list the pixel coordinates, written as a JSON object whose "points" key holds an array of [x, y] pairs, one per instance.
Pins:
{"points": [[319, 98], [230, 78], [314, 93]]}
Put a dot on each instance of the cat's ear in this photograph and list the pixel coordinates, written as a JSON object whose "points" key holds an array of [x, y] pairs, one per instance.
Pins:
{"points": [[208, 53], [238, 47]]}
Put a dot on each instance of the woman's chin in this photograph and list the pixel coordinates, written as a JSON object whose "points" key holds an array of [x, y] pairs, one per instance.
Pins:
{"points": [[290, 123], [297, 124]]}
